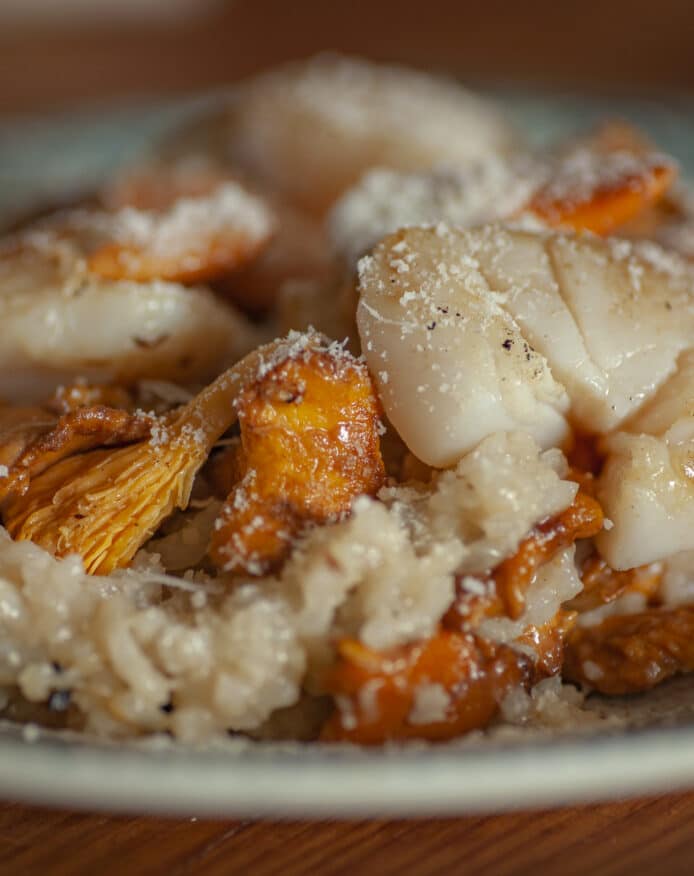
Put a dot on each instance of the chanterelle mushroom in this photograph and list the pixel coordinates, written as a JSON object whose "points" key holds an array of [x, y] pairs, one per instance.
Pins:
{"points": [[309, 446], [105, 503]]}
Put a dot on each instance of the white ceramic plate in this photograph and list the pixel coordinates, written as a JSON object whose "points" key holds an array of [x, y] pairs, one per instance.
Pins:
{"points": [[40, 159], [325, 782]]}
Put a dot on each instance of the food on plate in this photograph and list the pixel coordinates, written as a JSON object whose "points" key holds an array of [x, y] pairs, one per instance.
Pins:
{"points": [[605, 183], [453, 493], [309, 446], [308, 131], [523, 326], [255, 259], [104, 504], [632, 652], [461, 673], [62, 320]]}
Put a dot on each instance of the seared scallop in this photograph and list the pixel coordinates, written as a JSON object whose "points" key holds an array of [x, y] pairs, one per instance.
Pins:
{"points": [[470, 332]]}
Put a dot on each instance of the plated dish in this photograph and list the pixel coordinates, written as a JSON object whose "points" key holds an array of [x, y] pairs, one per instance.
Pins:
{"points": [[372, 435]]}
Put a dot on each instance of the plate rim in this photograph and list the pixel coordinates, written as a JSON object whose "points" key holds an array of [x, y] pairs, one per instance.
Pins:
{"points": [[266, 780]]}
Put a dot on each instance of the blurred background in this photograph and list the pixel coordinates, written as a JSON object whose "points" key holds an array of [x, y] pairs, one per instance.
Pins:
{"points": [[87, 85], [62, 53]]}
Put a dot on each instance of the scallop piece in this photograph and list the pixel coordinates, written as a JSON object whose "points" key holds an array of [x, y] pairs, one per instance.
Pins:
{"points": [[59, 321], [309, 130], [610, 317], [647, 491], [672, 407], [297, 249], [439, 307], [634, 306], [198, 238], [519, 269], [610, 179], [385, 200], [450, 363], [647, 484], [673, 224]]}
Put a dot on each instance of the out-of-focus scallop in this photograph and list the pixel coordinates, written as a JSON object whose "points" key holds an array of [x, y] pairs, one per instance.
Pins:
{"points": [[309, 130], [59, 322]]}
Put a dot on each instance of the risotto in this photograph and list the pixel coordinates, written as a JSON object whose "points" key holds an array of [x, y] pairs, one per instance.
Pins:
{"points": [[456, 486]]}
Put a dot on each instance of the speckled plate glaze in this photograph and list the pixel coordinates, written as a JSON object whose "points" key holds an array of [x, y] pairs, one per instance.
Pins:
{"points": [[652, 749]]}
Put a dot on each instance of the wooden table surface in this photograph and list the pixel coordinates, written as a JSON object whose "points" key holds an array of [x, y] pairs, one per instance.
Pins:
{"points": [[637, 837], [615, 46]]}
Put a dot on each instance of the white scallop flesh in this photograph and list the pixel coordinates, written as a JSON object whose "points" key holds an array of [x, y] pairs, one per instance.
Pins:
{"points": [[59, 323], [603, 319], [450, 363], [647, 484], [611, 318], [647, 491], [672, 407]]}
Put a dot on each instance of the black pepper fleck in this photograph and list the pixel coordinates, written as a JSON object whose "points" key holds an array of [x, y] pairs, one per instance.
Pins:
{"points": [[507, 344], [59, 700]]}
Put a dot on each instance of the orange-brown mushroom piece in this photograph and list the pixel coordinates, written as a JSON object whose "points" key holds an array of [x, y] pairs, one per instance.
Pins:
{"points": [[435, 690], [20, 426], [309, 446], [198, 239], [604, 182], [105, 503], [510, 580], [379, 695], [76, 431], [582, 519], [184, 226], [602, 584], [630, 653]]}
